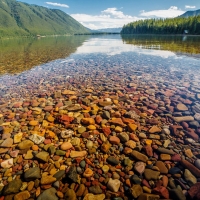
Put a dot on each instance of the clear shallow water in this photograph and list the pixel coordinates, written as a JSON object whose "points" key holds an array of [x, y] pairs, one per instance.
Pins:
{"points": [[83, 56]]}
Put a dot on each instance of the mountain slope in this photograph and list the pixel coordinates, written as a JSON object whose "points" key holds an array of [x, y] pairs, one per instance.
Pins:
{"points": [[191, 13], [22, 19]]}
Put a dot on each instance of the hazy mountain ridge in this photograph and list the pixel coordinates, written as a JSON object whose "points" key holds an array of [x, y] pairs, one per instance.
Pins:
{"points": [[110, 30], [22, 19], [191, 13]]}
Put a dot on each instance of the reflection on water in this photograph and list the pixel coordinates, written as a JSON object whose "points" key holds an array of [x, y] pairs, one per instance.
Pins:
{"points": [[177, 44], [18, 55]]}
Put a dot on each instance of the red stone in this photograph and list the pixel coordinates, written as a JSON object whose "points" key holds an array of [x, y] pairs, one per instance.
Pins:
{"points": [[162, 191], [175, 129], [148, 150], [98, 119], [191, 133], [176, 158], [106, 131], [128, 120], [145, 183], [194, 191], [114, 140], [47, 141]]}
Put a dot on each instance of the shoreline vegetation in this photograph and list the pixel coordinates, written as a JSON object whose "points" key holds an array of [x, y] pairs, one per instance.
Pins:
{"points": [[179, 25]]}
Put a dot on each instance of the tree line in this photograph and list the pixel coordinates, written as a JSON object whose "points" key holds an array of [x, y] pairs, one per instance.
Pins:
{"points": [[190, 25]]}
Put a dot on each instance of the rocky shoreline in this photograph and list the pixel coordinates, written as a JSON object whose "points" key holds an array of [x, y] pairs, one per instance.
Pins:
{"points": [[99, 129]]}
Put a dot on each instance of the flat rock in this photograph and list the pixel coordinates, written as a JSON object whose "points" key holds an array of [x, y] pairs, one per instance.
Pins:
{"points": [[22, 195], [114, 140], [75, 154], [49, 194], [136, 191], [95, 189], [161, 165], [139, 156], [91, 196], [32, 174], [12, 187], [18, 137], [151, 174], [26, 144], [112, 160], [72, 174], [191, 180], [181, 107], [165, 151], [43, 156], [154, 129], [45, 180], [183, 119], [37, 139], [7, 143]]}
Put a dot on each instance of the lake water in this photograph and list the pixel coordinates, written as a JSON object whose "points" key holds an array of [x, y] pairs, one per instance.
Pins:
{"points": [[144, 91]]}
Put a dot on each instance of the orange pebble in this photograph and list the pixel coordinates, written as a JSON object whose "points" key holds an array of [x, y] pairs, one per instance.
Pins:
{"points": [[35, 148]]}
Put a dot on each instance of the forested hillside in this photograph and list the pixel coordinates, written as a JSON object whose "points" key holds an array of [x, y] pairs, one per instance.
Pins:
{"points": [[22, 19], [164, 26]]}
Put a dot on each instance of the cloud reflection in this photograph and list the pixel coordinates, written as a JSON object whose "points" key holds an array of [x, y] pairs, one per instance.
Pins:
{"points": [[116, 46]]}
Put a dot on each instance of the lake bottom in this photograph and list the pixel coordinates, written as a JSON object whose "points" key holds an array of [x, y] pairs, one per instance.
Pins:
{"points": [[102, 126]]}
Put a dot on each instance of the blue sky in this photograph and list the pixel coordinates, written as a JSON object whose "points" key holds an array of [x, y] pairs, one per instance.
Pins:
{"points": [[96, 14]]}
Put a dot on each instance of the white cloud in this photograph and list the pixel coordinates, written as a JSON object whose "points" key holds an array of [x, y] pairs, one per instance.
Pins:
{"points": [[190, 7], [57, 4], [173, 11], [109, 18]]}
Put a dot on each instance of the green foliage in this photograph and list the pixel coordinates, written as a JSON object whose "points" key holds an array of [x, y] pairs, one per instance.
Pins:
{"points": [[164, 26], [22, 19]]}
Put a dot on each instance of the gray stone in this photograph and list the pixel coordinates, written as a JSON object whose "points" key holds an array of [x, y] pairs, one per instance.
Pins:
{"points": [[58, 175], [197, 163], [32, 174], [52, 149], [12, 187], [194, 124], [82, 163], [177, 194], [165, 151], [124, 137], [72, 174], [95, 189], [49, 194], [112, 160]]}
